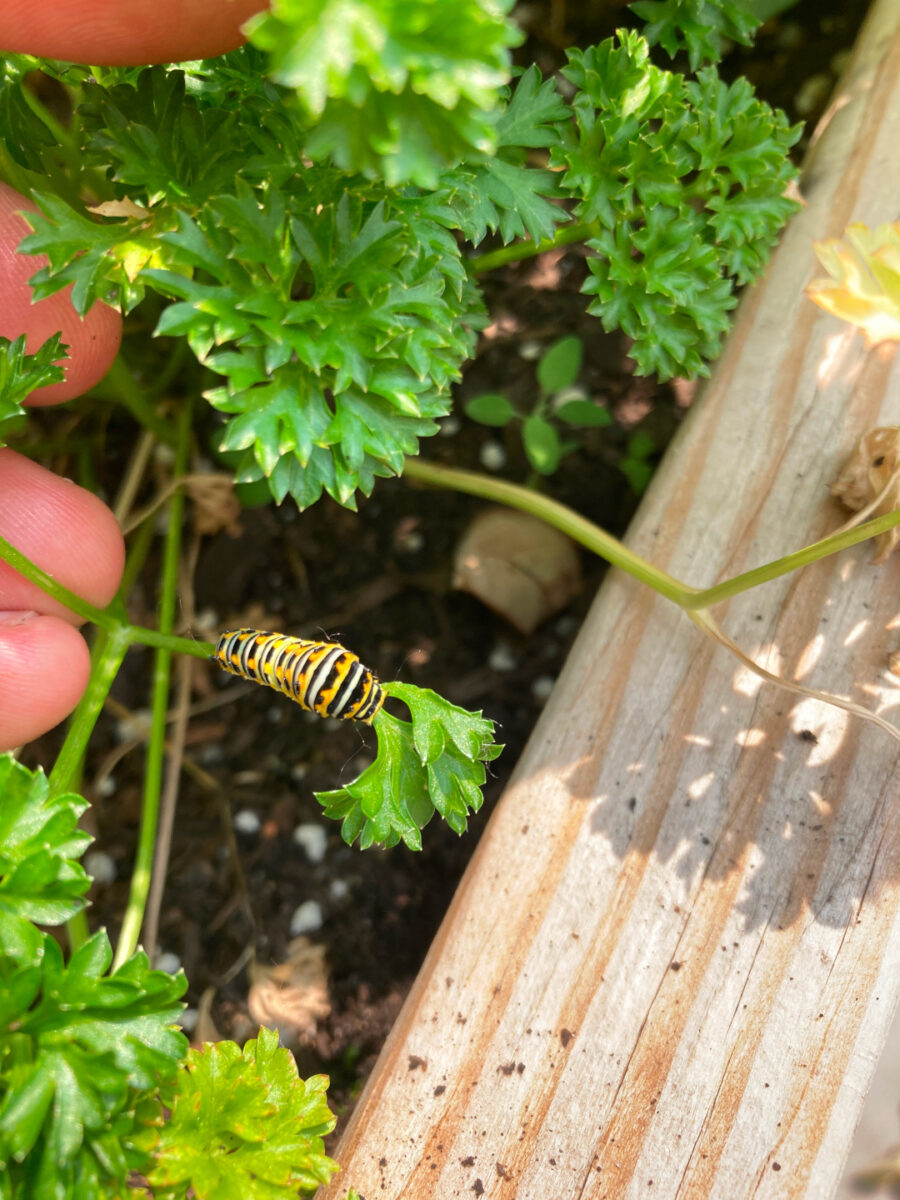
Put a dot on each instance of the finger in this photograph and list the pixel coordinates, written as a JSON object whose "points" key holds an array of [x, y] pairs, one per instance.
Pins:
{"points": [[62, 528], [93, 341], [44, 665], [110, 33]]}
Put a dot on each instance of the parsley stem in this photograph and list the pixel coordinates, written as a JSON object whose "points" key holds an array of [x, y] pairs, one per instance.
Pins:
{"points": [[106, 618], [122, 383], [168, 591], [791, 562], [579, 528], [597, 540], [45, 581], [564, 236]]}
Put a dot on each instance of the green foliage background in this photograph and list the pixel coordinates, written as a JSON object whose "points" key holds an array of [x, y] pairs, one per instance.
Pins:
{"points": [[307, 207]]}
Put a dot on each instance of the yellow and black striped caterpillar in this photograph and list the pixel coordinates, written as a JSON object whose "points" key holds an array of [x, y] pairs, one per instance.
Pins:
{"points": [[321, 677]]}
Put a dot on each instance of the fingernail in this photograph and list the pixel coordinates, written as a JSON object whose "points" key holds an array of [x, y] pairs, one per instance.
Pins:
{"points": [[18, 617]]}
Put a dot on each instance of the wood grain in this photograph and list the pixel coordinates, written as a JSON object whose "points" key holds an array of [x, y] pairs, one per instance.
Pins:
{"points": [[671, 965]]}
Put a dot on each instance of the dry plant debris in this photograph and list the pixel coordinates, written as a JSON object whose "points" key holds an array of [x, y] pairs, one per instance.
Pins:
{"points": [[870, 482], [291, 996], [518, 566]]}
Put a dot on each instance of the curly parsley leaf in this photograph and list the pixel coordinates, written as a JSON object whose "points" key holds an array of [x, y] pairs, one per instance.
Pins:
{"points": [[339, 312], [433, 763], [40, 843], [83, 1054], [397, 89], [661, 167], [244, 1126], [697, 26], [499, 192], [21, 374]]}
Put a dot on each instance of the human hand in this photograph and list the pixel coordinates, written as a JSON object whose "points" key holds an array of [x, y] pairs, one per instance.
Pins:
{"points": [[44, 660]]}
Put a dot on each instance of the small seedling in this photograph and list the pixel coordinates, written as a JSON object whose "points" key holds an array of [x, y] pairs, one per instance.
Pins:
{"points": [[558, 400], [635, 465]]}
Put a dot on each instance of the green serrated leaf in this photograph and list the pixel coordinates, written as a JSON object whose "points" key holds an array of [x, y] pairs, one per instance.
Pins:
{"points": [[397, 88], [698, 26], [559, 365], [502, 191], [40, 843], [84, 1056], [244, 1125], [21, 374], [490, 408], [661, 167], [435, 762]]}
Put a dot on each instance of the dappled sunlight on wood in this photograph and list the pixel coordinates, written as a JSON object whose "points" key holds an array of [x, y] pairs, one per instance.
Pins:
{"points": [[886, 694], [698, 788], [809, 657], [827, 726], [696, 739], [750, 737], [856, 632], [838, 357], [748, 683]]}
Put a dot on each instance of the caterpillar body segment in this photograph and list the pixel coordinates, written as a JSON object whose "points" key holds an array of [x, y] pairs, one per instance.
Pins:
{"points": [[322, 677]]}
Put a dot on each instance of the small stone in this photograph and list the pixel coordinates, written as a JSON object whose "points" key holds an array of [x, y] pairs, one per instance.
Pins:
{"points": [[247, 821], [188, 1020], [492, 456], [501, 658], [307, 918], [568, 394], [313, 839], [100, 866], [168, 962], [542, 686]]}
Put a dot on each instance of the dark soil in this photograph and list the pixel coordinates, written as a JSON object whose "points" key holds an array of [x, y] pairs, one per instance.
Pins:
{"points": [[380, 580]]}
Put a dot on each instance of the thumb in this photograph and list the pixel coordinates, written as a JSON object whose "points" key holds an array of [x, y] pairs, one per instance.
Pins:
{"points": [[44, 665]]}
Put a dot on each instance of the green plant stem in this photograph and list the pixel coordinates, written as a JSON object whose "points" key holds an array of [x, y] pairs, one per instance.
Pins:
{"points": [[559, 516], [143, 864], [564, 236], [791, 562], [105, 618], [105, 663], [123, 386], [48, 584], [104, 667], [599, 542]]}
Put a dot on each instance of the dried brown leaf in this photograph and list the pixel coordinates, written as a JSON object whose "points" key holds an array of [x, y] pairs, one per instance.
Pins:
{"points": [[291, 996], [215, 504], [871, 479], [517, 565]]}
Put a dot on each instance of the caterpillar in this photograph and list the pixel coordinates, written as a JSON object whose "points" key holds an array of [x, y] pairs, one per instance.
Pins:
{"points": [[321, 677]]}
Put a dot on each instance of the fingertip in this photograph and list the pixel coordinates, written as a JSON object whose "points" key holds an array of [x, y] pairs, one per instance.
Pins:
{"points": [[44, 665], [62, 527], [92, 340], [108, 33]]}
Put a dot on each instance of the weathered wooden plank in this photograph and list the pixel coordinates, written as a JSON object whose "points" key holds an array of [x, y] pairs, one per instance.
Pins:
{"points": [[672, 963]]}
